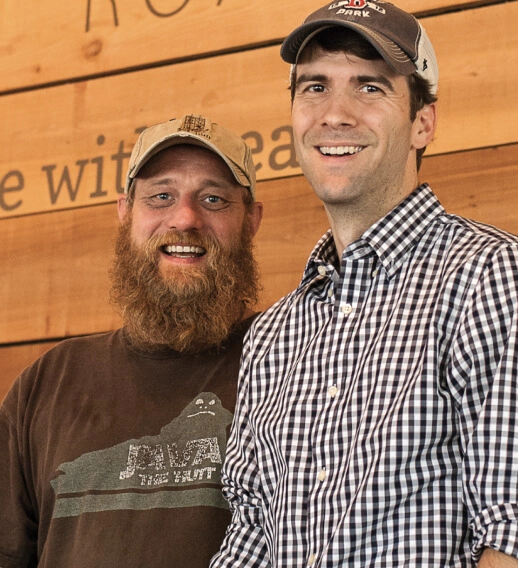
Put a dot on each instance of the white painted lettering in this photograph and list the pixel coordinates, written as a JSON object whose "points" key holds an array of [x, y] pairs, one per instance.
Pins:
{"points": [[195, 452], [142, 457], [152, 480]]}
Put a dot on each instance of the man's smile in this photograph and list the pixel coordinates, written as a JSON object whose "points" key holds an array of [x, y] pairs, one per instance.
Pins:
{"points": [[183, 251], [340, 150]]}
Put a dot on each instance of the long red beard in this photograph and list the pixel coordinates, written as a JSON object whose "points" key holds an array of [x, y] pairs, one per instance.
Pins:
{"points": [[185, 309]]}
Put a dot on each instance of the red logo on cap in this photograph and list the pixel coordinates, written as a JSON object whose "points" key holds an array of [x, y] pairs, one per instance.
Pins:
{"points": [[359, 5], [349, 4]]}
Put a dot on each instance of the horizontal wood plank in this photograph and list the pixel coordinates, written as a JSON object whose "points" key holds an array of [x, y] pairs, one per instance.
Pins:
{"points": [[479, 185], [46, 42], [81, 134], [54, 282]]}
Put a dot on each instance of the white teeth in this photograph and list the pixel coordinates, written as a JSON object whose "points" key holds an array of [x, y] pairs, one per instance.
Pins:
{"points": [[180, 249], [340, 150]]}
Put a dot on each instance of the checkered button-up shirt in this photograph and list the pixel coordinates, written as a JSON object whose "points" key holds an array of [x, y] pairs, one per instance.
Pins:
{"points": [[378, 416]]}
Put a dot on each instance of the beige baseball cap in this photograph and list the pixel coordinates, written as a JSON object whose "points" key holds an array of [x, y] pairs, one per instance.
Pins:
{"points": [[198, 131]]}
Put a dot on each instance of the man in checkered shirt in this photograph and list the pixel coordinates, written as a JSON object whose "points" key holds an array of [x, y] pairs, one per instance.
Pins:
{"points": [[377, 422]]}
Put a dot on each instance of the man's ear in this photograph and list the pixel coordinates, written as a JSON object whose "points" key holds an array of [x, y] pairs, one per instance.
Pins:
{"points": [[122, 207], [255, 215], [423, 128]]}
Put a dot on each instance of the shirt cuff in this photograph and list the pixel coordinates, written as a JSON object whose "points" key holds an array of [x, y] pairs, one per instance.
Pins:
{"points": [[497, 528]]}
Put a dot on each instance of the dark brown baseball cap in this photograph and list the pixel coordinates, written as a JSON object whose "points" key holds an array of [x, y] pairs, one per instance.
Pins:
{"points": [[397, 35]]}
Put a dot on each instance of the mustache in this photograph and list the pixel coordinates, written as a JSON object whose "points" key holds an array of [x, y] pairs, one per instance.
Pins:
{"points": [[174, 237]]}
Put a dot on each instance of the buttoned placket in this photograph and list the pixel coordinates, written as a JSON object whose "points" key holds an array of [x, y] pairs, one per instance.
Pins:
{"points": [[347, 291]]}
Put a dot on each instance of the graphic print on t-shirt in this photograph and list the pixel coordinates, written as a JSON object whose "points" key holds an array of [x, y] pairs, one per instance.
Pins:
{"points": [[178, 468]]}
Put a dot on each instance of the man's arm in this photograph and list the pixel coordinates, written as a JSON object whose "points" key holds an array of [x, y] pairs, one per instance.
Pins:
{"points": [[484, 372], [244, 544], [494, 559], [18, 527]]}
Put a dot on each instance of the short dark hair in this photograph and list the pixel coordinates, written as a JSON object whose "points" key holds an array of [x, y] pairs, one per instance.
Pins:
{"points": [[334, 40]]}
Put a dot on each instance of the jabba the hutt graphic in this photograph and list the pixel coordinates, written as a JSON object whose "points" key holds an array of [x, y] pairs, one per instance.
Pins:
{"points": [[179, 467]]}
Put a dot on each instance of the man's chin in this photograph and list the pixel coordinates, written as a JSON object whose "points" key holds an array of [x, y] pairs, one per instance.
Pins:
{"points": [[187, 308], [179, 275]]}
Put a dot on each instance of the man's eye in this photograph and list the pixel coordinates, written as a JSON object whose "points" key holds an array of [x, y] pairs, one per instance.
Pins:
{"points": [[371, 89], [316, 88], [159, 199], [213, 199], [304, 88], [215, 202], [162, 196]]}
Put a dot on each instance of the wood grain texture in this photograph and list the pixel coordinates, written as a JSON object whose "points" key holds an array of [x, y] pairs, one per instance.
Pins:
{"points": [[54, 279], [81, 134], [480, 185], [46, 42], [55, 284]]}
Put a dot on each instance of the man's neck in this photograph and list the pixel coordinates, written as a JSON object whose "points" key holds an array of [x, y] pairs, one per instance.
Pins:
{"points": [[349, 223]]}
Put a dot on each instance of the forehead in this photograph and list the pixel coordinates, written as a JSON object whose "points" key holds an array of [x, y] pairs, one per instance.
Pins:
{"points": [[340, 66], [344, 59]]}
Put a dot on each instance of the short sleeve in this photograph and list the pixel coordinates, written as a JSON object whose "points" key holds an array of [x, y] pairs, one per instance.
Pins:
{"points": [[18, 521]]}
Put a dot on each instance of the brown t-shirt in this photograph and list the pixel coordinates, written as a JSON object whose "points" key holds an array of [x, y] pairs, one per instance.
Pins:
{"points": [[110, 457]]}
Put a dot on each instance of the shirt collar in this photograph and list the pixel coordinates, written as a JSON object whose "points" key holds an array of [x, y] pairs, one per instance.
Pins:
{"points": [[390, 238]]}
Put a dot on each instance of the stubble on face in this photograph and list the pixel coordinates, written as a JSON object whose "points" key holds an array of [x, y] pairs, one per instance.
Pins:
{"points": [[187, 309]]}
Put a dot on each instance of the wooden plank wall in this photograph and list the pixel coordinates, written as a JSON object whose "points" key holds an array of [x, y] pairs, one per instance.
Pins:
{"points": [[80, 79]]}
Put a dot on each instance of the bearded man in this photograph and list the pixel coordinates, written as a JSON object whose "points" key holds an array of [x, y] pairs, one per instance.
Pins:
{"points": [[112, 445]]}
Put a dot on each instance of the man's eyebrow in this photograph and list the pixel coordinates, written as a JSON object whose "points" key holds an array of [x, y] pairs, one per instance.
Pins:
{"points": [[206, 183], [311, 77], [360, 79], [155, 181], [381, 79]]}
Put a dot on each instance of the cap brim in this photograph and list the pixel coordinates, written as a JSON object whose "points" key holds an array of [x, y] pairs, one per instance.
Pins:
{"points": [[395, 57], [185, 138]]}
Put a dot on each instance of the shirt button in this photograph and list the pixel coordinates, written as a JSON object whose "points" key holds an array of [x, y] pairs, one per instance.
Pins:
{"points": [[321, 475], [347, 309], [375, 273], [333, 391], [322, 270], [330, 292], [311, 560]]}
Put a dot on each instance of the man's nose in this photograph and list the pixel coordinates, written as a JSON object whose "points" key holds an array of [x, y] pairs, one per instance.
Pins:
{"points": [[339, 111], [185, 215]]}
